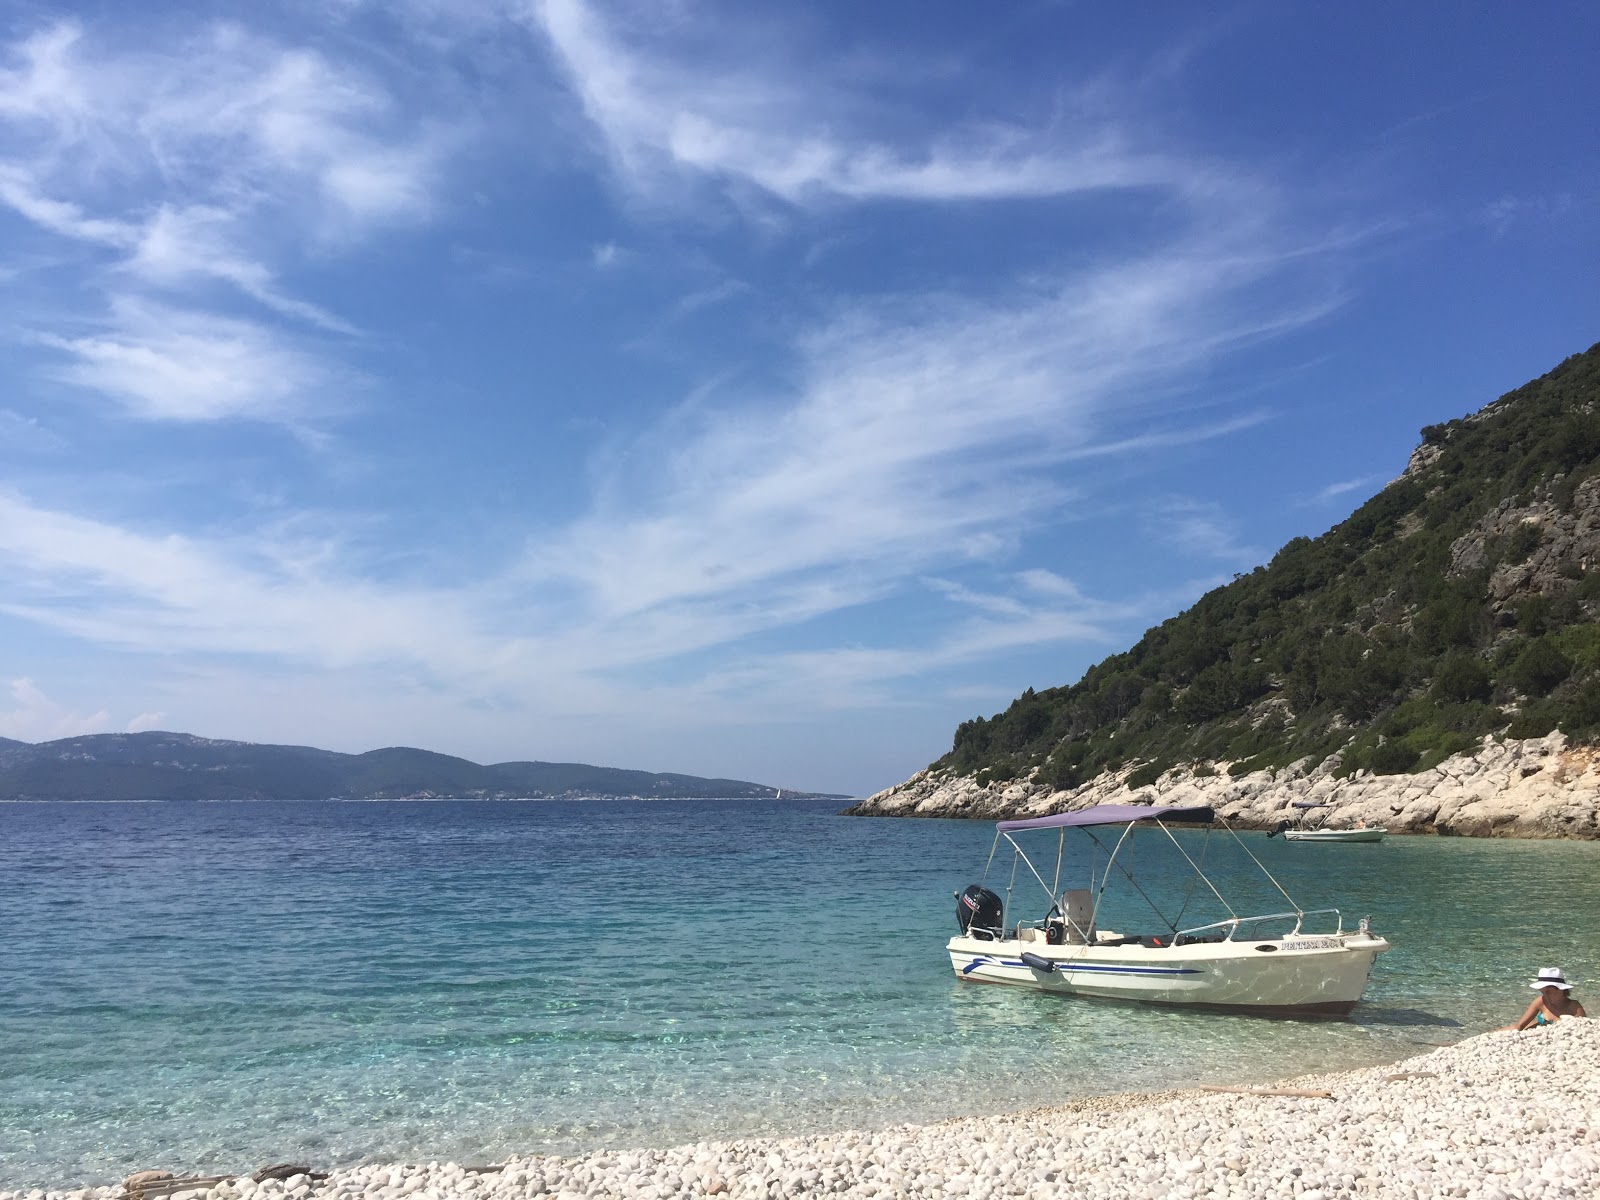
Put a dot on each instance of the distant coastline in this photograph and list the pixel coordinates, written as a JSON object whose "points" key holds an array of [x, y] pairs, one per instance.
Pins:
{"points": [[183, 767]]}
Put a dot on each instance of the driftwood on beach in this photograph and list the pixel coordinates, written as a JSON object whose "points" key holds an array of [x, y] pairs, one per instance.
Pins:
{"points": [[161, 1185], [1303, 1093]]}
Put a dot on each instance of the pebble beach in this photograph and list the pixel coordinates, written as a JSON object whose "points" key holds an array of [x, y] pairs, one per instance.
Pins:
{"points": [[1497, 1116]]}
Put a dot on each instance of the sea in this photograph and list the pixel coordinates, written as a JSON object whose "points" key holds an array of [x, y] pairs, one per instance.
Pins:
{"points": [[208, 988]]}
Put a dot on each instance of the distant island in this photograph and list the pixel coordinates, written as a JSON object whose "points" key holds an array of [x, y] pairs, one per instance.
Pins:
{"points": [[180, 766]]}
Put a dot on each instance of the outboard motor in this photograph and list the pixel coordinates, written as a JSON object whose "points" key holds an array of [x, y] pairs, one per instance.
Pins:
{"points": [[979, 912]]}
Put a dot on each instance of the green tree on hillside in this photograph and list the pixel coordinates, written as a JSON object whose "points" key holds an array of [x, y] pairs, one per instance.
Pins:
{"points": [[1430, 617]]}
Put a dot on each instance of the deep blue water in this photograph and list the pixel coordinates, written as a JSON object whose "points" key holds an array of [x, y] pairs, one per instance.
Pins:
{"points": [[213, 987]]}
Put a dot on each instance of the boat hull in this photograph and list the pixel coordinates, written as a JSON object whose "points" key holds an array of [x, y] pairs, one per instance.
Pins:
{"points": [[1335, 835], [1305, 975]]}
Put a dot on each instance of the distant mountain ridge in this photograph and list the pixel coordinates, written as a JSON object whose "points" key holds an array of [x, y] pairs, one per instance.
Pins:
{"points": [[181, 766]]}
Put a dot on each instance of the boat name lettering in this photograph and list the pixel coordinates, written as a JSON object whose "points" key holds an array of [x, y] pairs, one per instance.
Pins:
{"points": [[1315, 944]]}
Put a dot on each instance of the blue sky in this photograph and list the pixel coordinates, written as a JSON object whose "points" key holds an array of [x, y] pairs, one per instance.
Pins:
{"points": [[737, 389]]}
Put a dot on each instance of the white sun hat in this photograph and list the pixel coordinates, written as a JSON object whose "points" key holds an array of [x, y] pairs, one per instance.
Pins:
{"points": [[1551, 977]]}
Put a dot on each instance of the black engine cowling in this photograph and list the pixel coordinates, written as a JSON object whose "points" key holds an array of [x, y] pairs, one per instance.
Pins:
{"points": [[979, 911]]}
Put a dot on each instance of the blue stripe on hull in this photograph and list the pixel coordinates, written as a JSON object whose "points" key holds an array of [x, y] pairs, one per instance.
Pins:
{"points": [[1070, 968]]}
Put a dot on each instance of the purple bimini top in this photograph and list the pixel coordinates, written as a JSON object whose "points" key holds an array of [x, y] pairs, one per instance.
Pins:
{"points": [[1110, 814]]}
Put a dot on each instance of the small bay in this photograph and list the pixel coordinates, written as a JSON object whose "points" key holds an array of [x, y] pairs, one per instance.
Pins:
{"points": [[215, 987]]}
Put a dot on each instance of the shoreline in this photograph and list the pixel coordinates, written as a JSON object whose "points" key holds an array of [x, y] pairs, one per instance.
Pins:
{"points": [[1494, 1114], [1540, 788]]}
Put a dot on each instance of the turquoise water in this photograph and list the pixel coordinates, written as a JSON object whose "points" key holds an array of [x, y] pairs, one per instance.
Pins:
{"points": [[214, 987]]}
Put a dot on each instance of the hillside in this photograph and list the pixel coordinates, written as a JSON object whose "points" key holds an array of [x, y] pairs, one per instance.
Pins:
{"points": [[179, 766], [1460, 602]]}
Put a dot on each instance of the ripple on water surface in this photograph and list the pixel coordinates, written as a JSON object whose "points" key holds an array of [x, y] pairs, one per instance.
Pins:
{"points": [[211, 987]]}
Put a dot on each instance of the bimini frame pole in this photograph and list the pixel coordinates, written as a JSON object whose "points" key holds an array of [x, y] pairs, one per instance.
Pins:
{"points": [[1061, 850], [1201, 874], [1032, 870], [1105, 877], [1111, 861]]}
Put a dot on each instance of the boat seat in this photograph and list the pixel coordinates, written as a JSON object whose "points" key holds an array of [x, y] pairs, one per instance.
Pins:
{"points": [[1076, 909]]}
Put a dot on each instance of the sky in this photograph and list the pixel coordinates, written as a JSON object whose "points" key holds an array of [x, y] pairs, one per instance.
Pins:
{"points": [[738, 389]]}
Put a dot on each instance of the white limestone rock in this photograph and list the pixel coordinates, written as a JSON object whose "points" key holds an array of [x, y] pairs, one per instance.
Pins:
{"points": [[1539, 788]]}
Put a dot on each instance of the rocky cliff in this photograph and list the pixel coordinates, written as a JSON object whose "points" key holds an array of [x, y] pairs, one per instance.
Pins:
{"points": [[1431, 663], [1536, 788]]}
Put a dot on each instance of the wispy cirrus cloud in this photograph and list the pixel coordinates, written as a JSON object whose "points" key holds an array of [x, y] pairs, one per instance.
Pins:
{"points": [[177, 245], [910, 442], [19, 189], [18, 432], [746, 118], [177, 593], [223, 114], [1342, 488], [905, 449], [166, 364], [869, 677], [906, 443], [215, 157], [1200, 528]]}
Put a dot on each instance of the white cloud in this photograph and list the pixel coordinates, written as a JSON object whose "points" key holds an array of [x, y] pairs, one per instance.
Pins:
{"points": [[176, 594], [902, 442], [902, 448], [19, 190], [18, 432], [212, 156], [47, 85], [177, 245], [1334, 490], [998, 604], [251, 125], [710, 297], [321, 139], [1502, 214], [38, 718], [1048, 583], [1200, 528], [864, 677], [168, 364], [662, 110]]}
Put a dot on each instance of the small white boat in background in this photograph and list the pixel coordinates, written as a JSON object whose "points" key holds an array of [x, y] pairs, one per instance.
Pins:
{"points": [[1313, 828], [1270, 964]]}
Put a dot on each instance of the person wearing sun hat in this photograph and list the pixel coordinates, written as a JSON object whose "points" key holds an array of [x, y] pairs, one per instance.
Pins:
{"points": [[1554, 1001]]}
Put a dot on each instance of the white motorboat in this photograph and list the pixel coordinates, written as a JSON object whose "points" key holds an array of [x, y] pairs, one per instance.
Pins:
{"points": [[1301, 962], [1311, 826]]}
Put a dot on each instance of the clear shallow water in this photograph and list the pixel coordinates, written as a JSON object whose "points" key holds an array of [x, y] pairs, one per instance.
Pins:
{"points": [[213, 987]]}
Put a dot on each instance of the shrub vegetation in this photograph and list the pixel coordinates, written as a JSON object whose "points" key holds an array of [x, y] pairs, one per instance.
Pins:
{"points": [[1397, 638]]}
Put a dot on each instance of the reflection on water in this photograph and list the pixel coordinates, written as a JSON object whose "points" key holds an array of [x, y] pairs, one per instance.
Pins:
{"points": [[226, 985]]}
